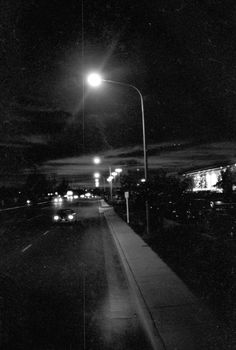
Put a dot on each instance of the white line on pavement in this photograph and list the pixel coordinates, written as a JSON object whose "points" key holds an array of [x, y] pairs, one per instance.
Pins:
{"points": [[34, 217], [22, 206], [28, 246], [13, 208]]}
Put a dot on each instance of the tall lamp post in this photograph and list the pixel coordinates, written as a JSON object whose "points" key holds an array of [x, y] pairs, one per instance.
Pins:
{"points": [[95, 80], [109, 180]]}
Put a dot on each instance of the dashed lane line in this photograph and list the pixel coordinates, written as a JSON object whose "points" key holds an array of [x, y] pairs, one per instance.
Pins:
{"points": [[28, 246], [34, 217]]}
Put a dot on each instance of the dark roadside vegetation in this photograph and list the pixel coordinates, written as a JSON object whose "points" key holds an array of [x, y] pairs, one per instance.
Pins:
{"points": [[195, 234]]}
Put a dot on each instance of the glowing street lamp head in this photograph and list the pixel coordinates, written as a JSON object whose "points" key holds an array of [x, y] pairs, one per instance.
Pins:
{"points": [[96, 175], [110, 178], [118, 170], [96, 160], [94, 79]]}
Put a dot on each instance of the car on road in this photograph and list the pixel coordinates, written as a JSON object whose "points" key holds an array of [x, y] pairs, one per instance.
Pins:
{"points": [[57, 199], [65, 216]]}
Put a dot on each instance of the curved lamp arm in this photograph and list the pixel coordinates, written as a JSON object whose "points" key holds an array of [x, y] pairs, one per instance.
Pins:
{"points": [[143, 122]]}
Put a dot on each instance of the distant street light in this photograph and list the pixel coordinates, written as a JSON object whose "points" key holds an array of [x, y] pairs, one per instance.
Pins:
{"points": [[96, 160], [118, 170], [109, 179], [95, 80], [112, 175]]}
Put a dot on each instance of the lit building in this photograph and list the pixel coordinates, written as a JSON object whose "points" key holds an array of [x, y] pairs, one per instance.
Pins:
{"points": [[206, 179]]}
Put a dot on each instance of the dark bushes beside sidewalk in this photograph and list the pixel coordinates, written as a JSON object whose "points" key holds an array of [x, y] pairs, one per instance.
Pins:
{"points": [[206, 263]]}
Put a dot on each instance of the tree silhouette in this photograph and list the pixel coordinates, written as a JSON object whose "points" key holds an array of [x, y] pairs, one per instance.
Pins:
{"points": [[226, 183]]}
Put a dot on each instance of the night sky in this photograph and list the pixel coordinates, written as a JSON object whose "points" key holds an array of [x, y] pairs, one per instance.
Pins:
{"points": [[180, 54]]}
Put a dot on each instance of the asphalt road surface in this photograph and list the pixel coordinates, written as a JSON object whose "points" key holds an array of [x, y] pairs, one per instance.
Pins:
{"points": [[62, 286]]}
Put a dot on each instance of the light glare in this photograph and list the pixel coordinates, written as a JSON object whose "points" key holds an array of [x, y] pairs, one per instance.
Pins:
{"points": [[94, 79], [96, 160], [118, 170]]}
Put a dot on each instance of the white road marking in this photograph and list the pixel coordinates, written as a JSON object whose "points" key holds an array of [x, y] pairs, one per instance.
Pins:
{"points": [[34, 217], [22, 206], [28, 246], [45, 233], [13, 208]]}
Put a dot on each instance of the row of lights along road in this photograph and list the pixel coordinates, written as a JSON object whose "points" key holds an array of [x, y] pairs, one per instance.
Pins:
{"points": [[111, 177], [96, 80]]}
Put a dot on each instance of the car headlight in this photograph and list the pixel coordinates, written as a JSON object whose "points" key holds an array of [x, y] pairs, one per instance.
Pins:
{"points": [[55, 217], [70, 217]]}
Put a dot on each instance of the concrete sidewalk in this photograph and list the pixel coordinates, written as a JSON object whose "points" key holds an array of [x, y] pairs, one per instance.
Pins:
{"points": [[173, 317]]}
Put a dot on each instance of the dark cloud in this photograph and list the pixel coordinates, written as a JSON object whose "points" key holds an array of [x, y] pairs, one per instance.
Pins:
{"points": [[189, 157], [180, 54]]}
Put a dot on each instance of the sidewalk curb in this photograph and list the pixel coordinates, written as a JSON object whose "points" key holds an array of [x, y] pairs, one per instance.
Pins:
{"points": [[154, 337], [172, 316]]}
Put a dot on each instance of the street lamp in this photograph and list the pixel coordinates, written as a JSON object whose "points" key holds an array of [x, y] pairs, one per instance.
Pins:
{"points": [[95, 80], [109, 179], [96, 160], [112, 175], [118, 170]]}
